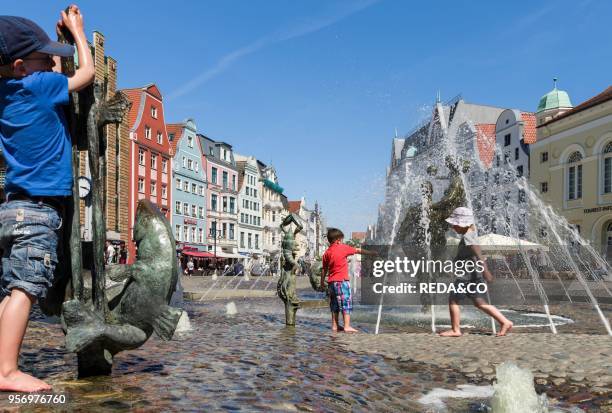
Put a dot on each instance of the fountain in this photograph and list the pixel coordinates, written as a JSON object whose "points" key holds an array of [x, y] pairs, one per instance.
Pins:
{"points": [[417, 200]]}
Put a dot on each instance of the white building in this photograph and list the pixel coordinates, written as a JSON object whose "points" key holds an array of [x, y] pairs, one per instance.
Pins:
{"points": [[250, 207]]}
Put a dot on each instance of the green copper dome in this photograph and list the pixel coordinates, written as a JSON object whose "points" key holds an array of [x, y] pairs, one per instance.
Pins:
{"points": [[554, 99]]}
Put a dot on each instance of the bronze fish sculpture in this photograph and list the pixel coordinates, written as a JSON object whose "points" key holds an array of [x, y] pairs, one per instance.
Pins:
{"points": [[140, 308]]}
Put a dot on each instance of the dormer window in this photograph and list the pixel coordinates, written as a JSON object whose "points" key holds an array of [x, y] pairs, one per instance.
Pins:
{"points": [[153, 112]]}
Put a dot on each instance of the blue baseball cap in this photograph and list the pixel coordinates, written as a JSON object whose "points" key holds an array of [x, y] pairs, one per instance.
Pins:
{"points": [[20, 36]]}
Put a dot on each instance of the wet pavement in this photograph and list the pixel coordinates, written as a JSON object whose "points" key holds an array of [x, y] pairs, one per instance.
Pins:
{"points": [[245, 362]]}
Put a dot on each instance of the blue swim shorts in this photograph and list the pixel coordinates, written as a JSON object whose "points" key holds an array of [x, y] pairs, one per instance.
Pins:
{"points": [[29, 234], [340, 298]]}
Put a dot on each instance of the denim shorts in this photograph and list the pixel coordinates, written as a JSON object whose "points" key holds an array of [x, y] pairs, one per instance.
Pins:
{"points": [[29, 234], [340, 298]]}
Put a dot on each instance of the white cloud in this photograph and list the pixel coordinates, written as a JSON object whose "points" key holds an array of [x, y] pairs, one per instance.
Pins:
{"points": [[276, 37]]}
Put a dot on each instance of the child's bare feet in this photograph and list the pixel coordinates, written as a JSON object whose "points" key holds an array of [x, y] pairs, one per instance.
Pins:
{"points": [[21, 382], [505, 328], [336, 329], [350, 330], [450, 333]]}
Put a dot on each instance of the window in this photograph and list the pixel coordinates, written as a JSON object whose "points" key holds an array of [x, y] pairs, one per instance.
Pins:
{"points": [[201, 212], [197, 167], [194, 188], [177, 232], [184, 162], [519, 170], [543, 157], [185, 208], [190, 164], [506, 159], [153, 189], [190, 141], [177, 207], [201, 190], [607, 168], [141, 157], [200, 235], [241, 239], [497, 160], [224, 230], [225, 179], [273, 216], [255, 192], [147, 132], [249, 241], [507, 139], [185, 186], [224, 204], [159, 137], [178, 184], [164, 192], [213, 175], [574, 176], [153, 161], [232, 204], [256, 241], [213, 202], [213, 229], [543, 187], [193, 211], [141, 185], [233, 182], [185, 233], [231, 231], [211, 151], [164, 165], [516, 153], [153, 112]]}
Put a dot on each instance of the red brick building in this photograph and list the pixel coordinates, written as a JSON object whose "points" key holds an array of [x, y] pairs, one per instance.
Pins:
{"points": [[149, 155]]}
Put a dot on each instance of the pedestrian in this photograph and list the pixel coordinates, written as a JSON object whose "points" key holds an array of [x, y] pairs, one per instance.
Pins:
{"points": [[190, 267], [110, 253], [462, 221], [123, 255], [335, 268], [37, 150]]}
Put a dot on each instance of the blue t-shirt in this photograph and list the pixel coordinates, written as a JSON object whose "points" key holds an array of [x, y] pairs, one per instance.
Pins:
{"points": [[33, 135]]}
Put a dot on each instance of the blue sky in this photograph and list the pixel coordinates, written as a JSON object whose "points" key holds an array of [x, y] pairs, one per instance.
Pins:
{"points": [[318, 87]]}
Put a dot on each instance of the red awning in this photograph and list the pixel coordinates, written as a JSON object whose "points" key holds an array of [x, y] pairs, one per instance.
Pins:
{"points": [[199, 254]]}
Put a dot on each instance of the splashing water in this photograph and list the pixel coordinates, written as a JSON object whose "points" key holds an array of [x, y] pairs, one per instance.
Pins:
{"points": [[514, 391]]}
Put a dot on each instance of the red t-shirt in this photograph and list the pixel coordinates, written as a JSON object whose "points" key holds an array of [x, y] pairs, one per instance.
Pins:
{"points": [[334, 260]]}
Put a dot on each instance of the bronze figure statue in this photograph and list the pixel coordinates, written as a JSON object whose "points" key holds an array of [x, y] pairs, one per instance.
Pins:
{"points": [[106, 319], [286, 285]]}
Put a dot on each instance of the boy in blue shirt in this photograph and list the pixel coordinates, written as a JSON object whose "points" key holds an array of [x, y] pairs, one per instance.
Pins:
{"points": [[37, 150]]}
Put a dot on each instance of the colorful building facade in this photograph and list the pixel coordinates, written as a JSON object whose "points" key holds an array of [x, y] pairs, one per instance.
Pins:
{"points": [[222, 197], [188, 187], [149, 155]]}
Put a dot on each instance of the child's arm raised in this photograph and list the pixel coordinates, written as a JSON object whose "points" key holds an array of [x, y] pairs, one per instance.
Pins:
{"points": [[366, 252], [84, 75]]}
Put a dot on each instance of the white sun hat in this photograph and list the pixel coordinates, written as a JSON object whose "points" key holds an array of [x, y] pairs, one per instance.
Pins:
{"points": [[462, 216]]}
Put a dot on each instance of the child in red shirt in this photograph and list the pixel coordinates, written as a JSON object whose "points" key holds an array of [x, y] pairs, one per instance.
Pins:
{"points": [[335, 267]]}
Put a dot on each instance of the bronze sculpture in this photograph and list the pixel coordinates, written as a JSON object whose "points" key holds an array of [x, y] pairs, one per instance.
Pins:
{"points": [[101, 322], [286, 285]]}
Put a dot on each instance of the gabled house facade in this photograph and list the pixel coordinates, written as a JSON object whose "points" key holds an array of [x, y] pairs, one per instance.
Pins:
{"points": [[149, 155], [188, 186]]}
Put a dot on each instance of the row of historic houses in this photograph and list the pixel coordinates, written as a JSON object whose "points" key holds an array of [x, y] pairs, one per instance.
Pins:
{"points": [[219, 203]]}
